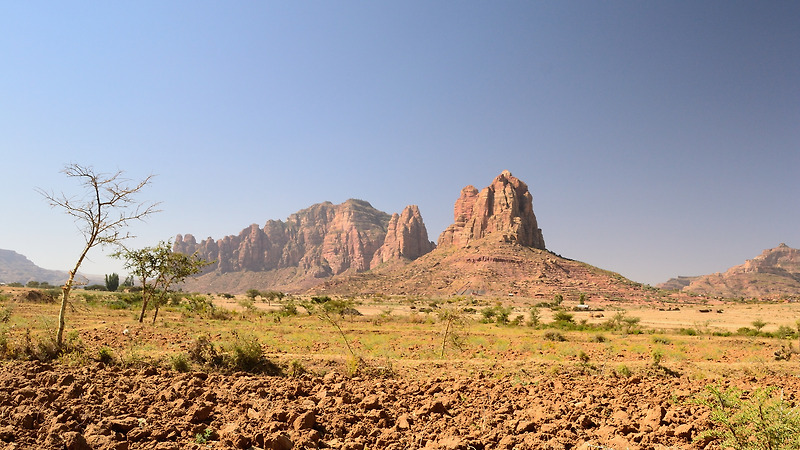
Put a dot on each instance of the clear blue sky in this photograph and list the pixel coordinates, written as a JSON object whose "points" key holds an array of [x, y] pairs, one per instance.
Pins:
{"points": [[658, 138]]}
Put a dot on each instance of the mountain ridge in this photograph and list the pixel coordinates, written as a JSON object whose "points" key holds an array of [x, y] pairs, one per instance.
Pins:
{"points": [[773, 274]]}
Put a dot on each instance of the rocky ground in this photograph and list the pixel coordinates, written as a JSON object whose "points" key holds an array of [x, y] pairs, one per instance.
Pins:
{"points": [[56, 406]]}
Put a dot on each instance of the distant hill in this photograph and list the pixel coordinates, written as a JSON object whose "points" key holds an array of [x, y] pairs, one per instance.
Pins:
{"points": [[16, 268], [489, 266], [774, 274]]}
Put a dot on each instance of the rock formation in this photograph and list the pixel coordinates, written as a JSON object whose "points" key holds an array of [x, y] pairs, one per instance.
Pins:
{"points": [[775, 273], [406, 238], [503, 209], [315, 243]]}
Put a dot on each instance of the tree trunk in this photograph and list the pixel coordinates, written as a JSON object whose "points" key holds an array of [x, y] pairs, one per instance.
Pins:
{"points": [[144, 306], [155, 313], [446, 333], [61, 319], [65, 290]]}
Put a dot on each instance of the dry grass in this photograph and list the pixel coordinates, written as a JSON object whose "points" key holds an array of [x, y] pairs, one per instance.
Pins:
{"points": [[396, 330]]}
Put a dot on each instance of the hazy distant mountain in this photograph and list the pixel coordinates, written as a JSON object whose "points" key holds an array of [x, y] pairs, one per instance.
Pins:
{"points": [[775, 273], [16, 268]]}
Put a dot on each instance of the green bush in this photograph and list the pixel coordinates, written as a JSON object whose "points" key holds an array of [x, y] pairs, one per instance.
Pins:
{"points": [[246, 355], [761, 420], [554, 336], [5, 313], [105, 356], [181, 363], [498, 314]]}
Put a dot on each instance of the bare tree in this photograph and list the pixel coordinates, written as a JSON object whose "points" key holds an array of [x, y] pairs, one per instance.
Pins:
{"points": [[101, 214]]}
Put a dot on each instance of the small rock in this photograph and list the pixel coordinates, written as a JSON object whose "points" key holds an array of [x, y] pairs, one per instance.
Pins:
{"points": [[404, 422], [75, 441], [125, 424], [279, 442], [684, 431], [525, 426], [200, 413], [370, 402], [305, 421]]}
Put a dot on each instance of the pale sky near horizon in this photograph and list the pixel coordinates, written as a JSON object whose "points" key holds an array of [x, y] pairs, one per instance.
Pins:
{"points": [[657, 138]]}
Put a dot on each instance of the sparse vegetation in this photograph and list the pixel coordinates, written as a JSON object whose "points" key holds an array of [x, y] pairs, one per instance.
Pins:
{"points": [[760, 420], [106, 209]]}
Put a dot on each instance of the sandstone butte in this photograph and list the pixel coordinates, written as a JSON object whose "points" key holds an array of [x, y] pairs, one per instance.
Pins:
{"points": [[494, 247], [775, 273]]}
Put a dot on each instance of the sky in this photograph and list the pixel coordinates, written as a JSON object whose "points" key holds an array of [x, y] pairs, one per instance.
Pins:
{"points": [[657, 138]]}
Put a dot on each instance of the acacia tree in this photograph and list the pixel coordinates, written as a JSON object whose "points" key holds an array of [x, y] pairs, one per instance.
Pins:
{"points": [[158, 269], [142, 264], [173, 269], [101, 214]]}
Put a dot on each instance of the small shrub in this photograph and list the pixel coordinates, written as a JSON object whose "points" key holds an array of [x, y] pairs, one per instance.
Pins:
{"points": [[658, 356], [534, 317], [181, 363], [246, 355], [355, 366], [498, 314], [661, 340], [205, 436], [785, 332], [248, 304], [688, 332], [297, 369], [5, 347], [105, 356], [761, 420], [758, 324], [116, 304], [599, 338], [5, 313], [554, 336], [288, 309], [563, 317], [623, 371], [204, 352]]}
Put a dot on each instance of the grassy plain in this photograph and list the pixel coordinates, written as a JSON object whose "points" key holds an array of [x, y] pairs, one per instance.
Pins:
{"points": [[407, 334]]}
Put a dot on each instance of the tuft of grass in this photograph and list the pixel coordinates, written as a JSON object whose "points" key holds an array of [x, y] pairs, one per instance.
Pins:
{"points": [[105, 356], [181, 363], [623, 371]]}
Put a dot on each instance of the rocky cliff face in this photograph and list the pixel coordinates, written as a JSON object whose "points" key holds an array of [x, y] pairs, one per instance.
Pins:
{"points": [[315, 243], [503, 209], [406, 238]]}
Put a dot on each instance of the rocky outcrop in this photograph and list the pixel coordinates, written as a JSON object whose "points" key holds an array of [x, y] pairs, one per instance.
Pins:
{"points": [[315, 243], [775, 273], [503, 209], [406, 238]]}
